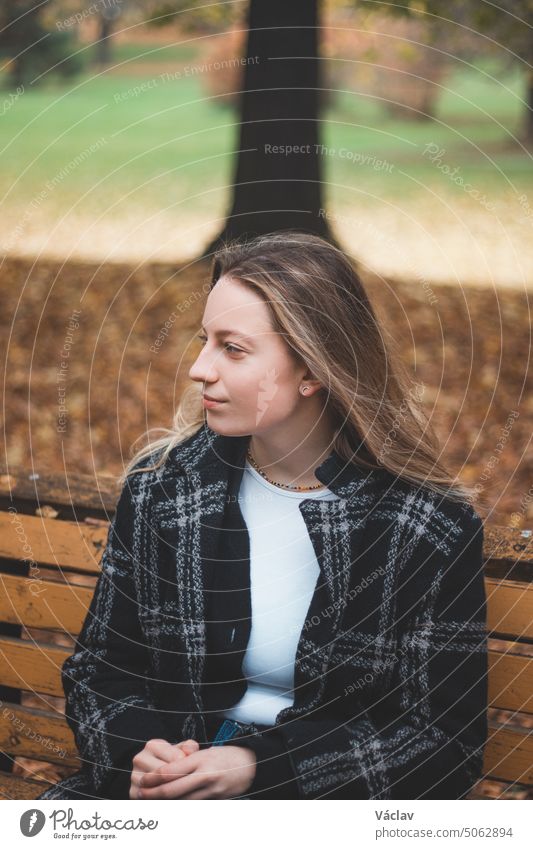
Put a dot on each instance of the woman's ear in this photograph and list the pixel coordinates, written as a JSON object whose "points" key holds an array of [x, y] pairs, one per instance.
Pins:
{"points": [[309, 386]]}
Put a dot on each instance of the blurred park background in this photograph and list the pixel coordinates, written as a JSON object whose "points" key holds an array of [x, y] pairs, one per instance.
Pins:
{"points": [[126, 153]]}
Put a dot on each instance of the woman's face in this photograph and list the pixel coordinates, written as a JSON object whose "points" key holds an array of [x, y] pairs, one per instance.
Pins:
{"points": [[244, 364]]}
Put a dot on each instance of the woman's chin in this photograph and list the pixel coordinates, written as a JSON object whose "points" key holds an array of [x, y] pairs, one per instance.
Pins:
{"points": [[225, 428]]}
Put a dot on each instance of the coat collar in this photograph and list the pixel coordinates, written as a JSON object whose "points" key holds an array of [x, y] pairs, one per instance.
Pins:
{"points": [[211, 455]]}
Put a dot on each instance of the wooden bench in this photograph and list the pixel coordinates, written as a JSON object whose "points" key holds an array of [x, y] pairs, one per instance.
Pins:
{"points": [[52, 534]]}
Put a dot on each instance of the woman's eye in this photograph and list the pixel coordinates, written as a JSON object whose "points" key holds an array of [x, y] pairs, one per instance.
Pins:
{"points": [[229, 347]]}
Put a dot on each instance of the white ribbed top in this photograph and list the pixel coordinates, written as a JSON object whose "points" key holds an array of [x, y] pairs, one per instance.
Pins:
{"points": [[283, 576]]}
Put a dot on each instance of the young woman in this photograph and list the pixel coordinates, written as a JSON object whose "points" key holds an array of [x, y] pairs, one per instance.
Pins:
{"points": [[291, 600]]}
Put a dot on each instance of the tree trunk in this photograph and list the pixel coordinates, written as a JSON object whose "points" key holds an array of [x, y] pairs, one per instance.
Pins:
{"points": [[103, 45], [277, 180]]}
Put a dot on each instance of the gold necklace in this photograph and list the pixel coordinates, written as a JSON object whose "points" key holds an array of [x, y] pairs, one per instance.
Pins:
{"points": [[283, 485]]}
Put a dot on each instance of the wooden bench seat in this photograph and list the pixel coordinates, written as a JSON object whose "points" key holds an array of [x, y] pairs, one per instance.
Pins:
{"points": [[61, 527]]}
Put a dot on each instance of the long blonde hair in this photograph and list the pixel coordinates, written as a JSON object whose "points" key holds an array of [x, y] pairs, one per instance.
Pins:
{"points": [[318, 303]]}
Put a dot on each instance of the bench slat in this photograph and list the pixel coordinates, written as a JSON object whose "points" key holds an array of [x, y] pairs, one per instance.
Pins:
{"points": [[101, 492], [509, 754], [26, 666], [510, 608], [64, 606], [52, 542], [39, 734], [91, 492], [15, 787], [46, 604], [503, 543], [510, 681]]}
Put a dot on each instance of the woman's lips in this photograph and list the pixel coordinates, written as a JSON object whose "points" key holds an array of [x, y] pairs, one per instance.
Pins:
{"points": [[210, 404]]}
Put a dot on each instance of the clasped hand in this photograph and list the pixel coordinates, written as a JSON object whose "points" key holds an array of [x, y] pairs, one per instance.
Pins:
{"points": [[183, 771]]}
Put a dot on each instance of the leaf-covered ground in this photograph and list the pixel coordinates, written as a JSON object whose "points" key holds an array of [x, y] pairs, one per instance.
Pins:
{"points": [[469, 347]]}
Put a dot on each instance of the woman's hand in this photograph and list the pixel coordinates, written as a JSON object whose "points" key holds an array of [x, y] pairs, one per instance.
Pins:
{"points": [[157, 753], [219, 772]]}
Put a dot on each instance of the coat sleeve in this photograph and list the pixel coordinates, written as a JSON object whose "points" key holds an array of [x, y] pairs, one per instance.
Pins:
{"points": [[274, 776], [108, 706], [424, 736]]}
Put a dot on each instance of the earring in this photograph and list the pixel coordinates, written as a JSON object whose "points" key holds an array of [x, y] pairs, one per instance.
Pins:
{"points": [[305, 388]]}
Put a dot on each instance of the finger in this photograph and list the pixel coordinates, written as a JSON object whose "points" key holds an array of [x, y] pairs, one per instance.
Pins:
{"points": [[150, 765], [135, 790], [188, 746], [143, 767], [182, 765], [161, 749], [168, 772], [146, 762], [177, 789]]}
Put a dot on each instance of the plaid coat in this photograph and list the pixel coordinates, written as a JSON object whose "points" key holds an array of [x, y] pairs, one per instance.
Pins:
{"points": [[390, 668]]}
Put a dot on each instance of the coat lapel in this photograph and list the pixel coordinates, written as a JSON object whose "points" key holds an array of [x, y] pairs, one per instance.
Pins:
{"points": [[336, 530], [189, 524]]}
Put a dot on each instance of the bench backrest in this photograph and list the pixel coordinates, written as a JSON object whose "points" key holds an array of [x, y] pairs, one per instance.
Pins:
{"points": [[52, 534]]}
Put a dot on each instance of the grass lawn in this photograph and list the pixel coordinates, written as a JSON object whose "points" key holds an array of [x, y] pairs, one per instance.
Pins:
{"points": [[162, 159]]}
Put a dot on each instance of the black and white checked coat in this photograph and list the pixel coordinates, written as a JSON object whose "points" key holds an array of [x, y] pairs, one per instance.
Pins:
{"points": [[390, 669]]}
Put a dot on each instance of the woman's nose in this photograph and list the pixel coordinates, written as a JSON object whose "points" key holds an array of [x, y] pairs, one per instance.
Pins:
{"points": [[203, 368]]}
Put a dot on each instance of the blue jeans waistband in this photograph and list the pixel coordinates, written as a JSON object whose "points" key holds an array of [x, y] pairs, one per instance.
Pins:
{"points": [[219, 729]]}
